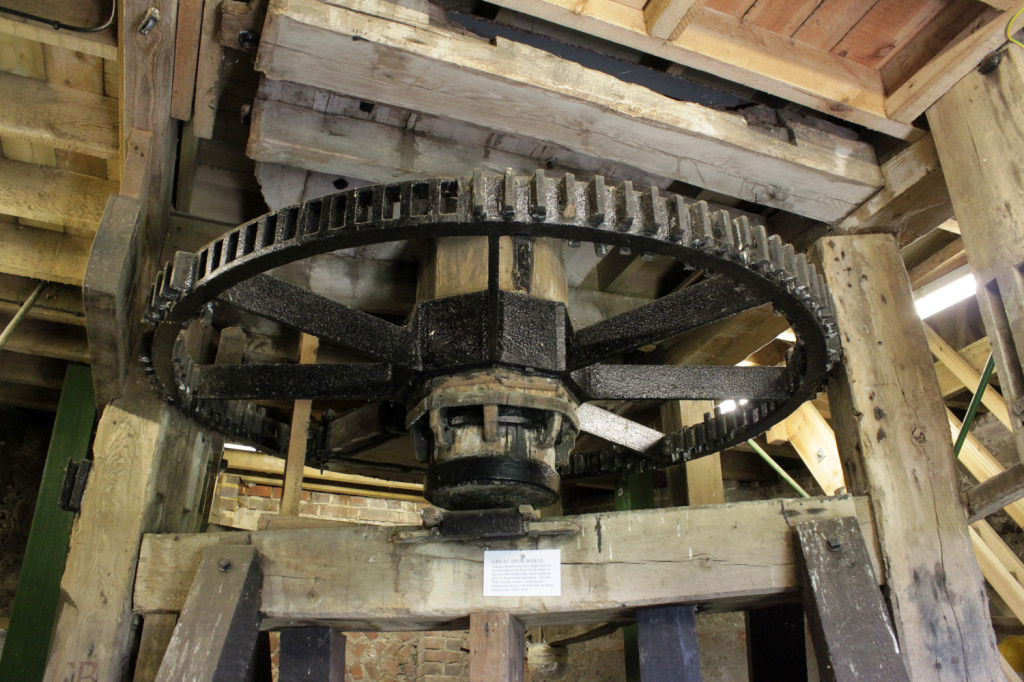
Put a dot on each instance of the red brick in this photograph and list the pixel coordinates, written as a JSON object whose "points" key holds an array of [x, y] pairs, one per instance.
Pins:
{"points": [[356, 671], [432, 643], [371, 670], [360, 649], [257, 490], [304, 496], [454, 644], [405, 636], [321, 498], [454, 669], [371, 635], [355, 501], [389, 666], [404, 652], [430, 669]]}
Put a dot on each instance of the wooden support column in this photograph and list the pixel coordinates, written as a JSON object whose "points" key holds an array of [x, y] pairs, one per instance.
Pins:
{"points": [[893, 434], [497, 648], [215, 638], [634, 491], [314, 653], [291, 494], [147, 465], [668, 644], [978, 135], [35, 602], [698, 481]]}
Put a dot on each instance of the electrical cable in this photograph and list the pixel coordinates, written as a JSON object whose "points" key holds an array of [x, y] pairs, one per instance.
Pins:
{"points": [[1009, 25], [58, 25]]}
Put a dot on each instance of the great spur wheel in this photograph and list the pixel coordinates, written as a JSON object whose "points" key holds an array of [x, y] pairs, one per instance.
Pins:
{"points": [[489, 381]]}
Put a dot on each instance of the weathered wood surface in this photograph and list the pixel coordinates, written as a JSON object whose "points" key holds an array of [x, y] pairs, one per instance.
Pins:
{"points": [[497, 648], [990, 496], [146, 459], [54, 196], [976, 135], [108, 290], [358, 577], [215, 637], [43, 254], [295, 461], [894, 437], [311, 653], [157, 629], [398, 57], [853, 638], [668, 643]]}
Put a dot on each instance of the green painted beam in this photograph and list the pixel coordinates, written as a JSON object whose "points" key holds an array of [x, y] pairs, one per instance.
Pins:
{"points": [[35, 602], [634, 491]]}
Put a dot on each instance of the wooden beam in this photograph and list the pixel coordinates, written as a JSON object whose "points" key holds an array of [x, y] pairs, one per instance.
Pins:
{"points": [[725, 342], [990, 496], [209, 65], [967, 375], [312, 654], [43, 254], [667, 19], [296, 460], [976, 356], [497, 648], [216, 633], [29, 370], [895, 440], [101, 44], [62, 342], [982, 464], [307, 577], [35, 602], [975, 134], [56, 116], [815, 442], [914, 200], [668, 643], [59, 303], [267, 464], [186, 54], [738, 51], [448, 74], [942, 262], [53, 196], [157, 630], [147, 465], [853, 638], [29, 397], [108, 291]]}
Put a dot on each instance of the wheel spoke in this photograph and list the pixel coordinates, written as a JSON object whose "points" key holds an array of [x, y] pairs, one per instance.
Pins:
{"points": [[670, 315], [319, 316], [682, 382], [370, 381]]}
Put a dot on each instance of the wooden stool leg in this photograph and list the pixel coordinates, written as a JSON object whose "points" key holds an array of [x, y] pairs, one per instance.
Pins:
{"points": [[215, 637], [668, 644], [497, 648], [313, 653], [853, 638]]}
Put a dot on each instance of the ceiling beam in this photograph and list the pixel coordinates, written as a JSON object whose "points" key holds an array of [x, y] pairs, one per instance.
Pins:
{"points": [[29, 370], [43, 254], [53, 196], [58, 341], [57, 303]]}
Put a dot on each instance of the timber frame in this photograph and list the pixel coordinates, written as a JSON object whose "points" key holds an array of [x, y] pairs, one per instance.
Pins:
{"points": [[364, 91]]}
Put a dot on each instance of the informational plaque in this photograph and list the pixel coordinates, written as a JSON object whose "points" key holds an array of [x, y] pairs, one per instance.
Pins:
{"points": [[523, 573]]}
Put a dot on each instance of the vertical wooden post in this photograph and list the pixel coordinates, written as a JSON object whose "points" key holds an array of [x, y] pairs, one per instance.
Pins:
{"points": [[853, 639], [892, 431], [312, 653], [668, 644], [699, 481], [142, 453], [35, 602], [497, 648], [291, 494], [978, 128]]}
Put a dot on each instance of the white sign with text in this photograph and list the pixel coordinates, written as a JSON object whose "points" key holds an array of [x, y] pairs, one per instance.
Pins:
{"points": [[523, 573]]}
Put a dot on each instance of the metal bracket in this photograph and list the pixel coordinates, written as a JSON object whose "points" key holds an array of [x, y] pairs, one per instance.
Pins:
{"points": [[484, 524], [75, 478]]}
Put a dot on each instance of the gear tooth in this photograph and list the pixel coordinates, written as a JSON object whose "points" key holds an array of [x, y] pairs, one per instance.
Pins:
{"points": [[775, 252], [479, 195], [689, 439], [741, 233], [679, 221], [759, 253], [627, 210], [597, 198], [655, 214], [721, 229], [508, 204], [567, 197], [601, 249], [700, 224], [183, 271], [803, 272], [539, 196]]}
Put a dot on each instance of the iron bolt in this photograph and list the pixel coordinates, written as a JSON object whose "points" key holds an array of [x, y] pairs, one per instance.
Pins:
{"points": [[224, 565], [248, 40], [833, 545]]}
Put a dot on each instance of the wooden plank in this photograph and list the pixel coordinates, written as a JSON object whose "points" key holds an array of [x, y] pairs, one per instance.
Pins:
{"points": [[976, 356], [54, 196], [157, 629], [914, 200], [667, 19], [497, 648], [312, 653], [306, 571], [989, 496], [725, 342], [216, 633], [942, 262], [721, 44], [885, 29], [59, 341], [853, 638], [915, 96], [830, 21], [974, 134], [296, 460], [813, 439], [16, 368], [886, 407], [57, 116], [668, 643], [43, 254], [967, 375], [208, 73], [101, 44], [453, 75], [29, 397], [108, 290], [58, 303], [1006, 585], [186, 55], [982, 464], [145, 460], [35, 602]]}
